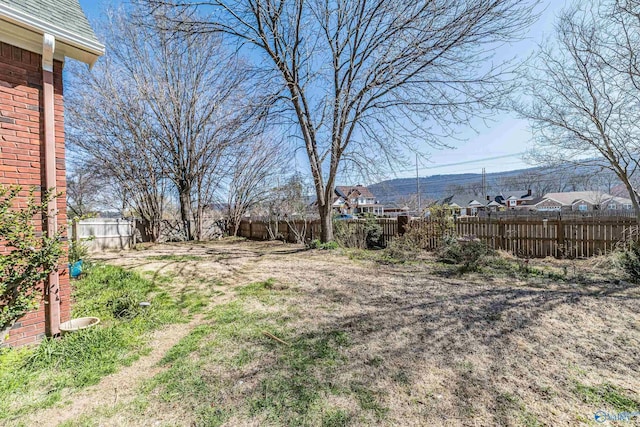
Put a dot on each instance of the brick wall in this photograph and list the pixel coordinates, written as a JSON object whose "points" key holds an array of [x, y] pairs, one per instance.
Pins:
{"points": [[22, 156]]}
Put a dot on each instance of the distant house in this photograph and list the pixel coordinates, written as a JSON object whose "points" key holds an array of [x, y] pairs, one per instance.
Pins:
{"points": [[515, 199], [468, 205], [472, 205], [36, 36], [394, 210], [582, 201], [356, 199]]}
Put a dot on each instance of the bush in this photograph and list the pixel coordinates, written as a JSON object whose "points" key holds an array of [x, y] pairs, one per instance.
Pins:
{"points": [[630, 261], [317, 244], [408, 246], [468, 252], [372, 232], [360, 234], [31, 258], [78, 250]]}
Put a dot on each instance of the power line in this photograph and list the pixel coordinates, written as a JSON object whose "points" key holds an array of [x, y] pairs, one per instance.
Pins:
{"points": [[467, 162]]}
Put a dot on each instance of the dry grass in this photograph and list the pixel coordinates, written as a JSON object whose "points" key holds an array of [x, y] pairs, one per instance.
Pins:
{"points": [[380, 344]]}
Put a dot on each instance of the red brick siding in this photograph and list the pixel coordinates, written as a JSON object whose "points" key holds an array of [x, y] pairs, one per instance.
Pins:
{"points": [[22, 156]]}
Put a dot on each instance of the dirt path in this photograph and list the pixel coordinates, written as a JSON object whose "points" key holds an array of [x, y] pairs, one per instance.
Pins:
{"points": [[120, 387]]}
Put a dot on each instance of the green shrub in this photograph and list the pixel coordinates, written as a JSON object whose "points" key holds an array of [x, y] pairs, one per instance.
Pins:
{"points": [[468, 252], [350, 234], [630, 261], [359, 234], [317, 244], [78, 250], [31, 257], [444, 226], [372, 232], [406, 247]]}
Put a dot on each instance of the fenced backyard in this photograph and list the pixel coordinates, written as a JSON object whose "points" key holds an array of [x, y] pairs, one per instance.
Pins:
{"points": [[534, 237]]}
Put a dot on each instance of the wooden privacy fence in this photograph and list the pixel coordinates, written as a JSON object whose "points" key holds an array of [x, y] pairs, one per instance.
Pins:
{"points": [[537, 237], [533, 237], [290, 231]]}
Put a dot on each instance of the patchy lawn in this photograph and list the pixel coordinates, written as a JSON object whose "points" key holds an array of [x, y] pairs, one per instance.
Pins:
{"points": [[33, 378], [284, 336]]}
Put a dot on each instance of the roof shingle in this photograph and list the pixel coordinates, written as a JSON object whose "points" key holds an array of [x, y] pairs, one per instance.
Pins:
{"points": [[65, 14]]}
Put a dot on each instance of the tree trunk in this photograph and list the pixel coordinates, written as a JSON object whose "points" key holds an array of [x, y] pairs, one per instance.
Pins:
{"points": [[185, 209], [149, 230], [633, 196], [198, 221], [326, 224]]}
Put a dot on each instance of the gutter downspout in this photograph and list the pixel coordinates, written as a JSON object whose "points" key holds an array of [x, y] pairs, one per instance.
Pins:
{"points": [[52, 287]]}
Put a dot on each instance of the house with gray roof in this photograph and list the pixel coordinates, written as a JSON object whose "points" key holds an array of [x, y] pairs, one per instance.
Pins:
{"points": [[469, 204], [36, 38], [583, 201]]}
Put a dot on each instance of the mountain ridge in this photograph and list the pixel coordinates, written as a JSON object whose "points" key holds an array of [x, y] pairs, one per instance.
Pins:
{"points": [[539, 179]]}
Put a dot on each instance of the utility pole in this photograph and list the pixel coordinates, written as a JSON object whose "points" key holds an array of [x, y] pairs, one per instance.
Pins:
{"points": [[484, 183], [418, 187]]}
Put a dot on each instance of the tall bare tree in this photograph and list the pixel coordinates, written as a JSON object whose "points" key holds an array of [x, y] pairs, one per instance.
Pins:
{"points": [[357, 78], [256, 166], [583, 91], [82, 192], [108, 133], [187, 102]]}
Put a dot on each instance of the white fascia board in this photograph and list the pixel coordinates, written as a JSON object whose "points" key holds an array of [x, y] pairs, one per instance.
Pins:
{"points": [[579, 201], [22, 30], [546, 199]]}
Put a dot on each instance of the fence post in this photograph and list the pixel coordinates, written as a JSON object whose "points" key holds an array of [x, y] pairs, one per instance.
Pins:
{"points": [[503, 234], [560, 243], [403, 221], [133, 228], [75, 228]]}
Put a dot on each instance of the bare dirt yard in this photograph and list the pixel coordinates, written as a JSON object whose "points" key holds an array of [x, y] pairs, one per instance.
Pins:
{"points": [[290, 337]]}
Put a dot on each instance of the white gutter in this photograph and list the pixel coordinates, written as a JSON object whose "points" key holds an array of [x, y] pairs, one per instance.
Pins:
{"points": [[48, 47], [93, 48]]}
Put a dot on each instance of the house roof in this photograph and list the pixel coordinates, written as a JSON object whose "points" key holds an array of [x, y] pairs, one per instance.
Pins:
{"points": [[570, 197], [621, 200], [517, 194], [23, 22], [464, 200], [346, 191], [532, 201]]}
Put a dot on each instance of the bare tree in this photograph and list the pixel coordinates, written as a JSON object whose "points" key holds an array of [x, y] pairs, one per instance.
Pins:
{"points": [[108, 132], [548, 180], [584, 92], [255, 167], [187, 98], [357, 78], [82, 193], [288, 202]]}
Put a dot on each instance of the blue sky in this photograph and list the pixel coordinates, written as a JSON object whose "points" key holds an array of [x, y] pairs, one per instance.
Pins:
{"points": [[495, 146]]}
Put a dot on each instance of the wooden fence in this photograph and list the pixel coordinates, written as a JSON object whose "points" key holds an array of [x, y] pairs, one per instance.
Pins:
{"points": [[527, 237], [570, 238]]}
